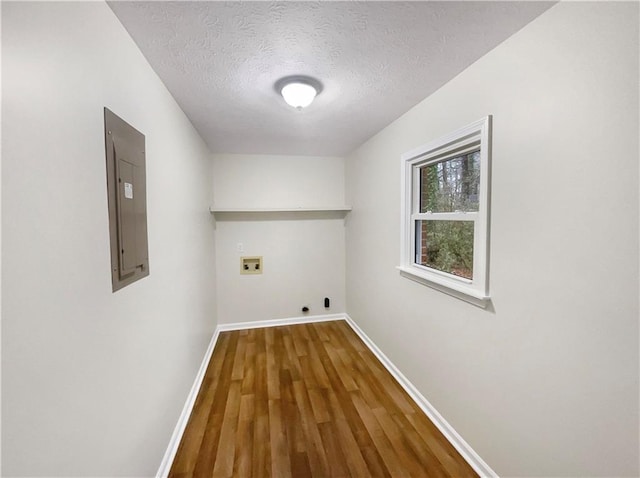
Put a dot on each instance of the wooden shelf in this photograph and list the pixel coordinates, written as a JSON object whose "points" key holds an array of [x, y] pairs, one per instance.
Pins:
{"points": [[278, 213], [253, 210]]}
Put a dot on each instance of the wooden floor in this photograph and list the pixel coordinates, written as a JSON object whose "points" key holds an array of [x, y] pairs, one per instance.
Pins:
{"points": [[307, 400]]}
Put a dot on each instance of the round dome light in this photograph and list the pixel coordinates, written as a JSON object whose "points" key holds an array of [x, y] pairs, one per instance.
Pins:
{"points": [[298, 95], [298, 91]]}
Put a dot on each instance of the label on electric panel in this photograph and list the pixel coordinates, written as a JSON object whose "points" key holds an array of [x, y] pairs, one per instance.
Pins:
{"points": [[128, 190]]}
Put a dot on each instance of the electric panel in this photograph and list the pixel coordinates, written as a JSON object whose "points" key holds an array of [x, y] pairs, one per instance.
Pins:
{"points": [[127, 200]]}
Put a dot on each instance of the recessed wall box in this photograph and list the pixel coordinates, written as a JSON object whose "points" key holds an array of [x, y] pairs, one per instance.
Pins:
{"points": [[251, 265], [127, 199]]}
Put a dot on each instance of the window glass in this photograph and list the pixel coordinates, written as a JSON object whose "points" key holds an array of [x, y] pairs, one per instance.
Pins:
{"points": [[451, 185], [446, 246]]}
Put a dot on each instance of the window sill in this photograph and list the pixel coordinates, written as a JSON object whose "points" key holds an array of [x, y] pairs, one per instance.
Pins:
{"points": [[459, 291]]}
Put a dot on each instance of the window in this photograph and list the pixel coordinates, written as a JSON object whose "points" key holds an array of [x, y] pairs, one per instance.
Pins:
{"points": [[445, 213]]}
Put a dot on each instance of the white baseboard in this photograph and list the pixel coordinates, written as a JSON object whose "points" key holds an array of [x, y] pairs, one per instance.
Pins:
{"points": [[178, 431], [445, 428], [307, 319], [470, 456]]}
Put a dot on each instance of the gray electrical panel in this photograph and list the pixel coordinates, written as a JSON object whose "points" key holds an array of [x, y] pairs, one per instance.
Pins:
{"points": [[127, 194]]}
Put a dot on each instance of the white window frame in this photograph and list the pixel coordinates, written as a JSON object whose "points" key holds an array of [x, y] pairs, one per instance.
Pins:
{"points": [[465, 140]]}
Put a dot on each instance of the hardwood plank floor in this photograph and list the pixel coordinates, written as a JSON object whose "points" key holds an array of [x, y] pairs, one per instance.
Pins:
{"points": [[307, 400]]}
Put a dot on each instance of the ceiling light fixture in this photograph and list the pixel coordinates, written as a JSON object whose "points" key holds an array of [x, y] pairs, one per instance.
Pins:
{"points": [[298, 91]]}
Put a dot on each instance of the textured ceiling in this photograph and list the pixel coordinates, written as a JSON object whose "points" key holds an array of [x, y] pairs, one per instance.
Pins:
{"points": [[376, 60]]}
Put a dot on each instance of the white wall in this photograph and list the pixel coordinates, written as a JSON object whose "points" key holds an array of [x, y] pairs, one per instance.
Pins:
{"points": [[546, 382], [93, 382], [303, 253]]}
